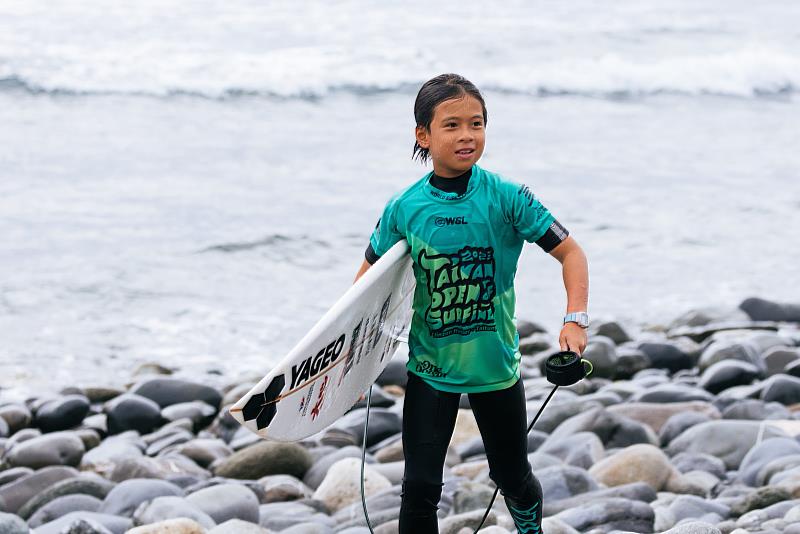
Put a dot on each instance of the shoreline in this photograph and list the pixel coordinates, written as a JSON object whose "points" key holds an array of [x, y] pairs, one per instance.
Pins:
{"points": [[692, 427]]}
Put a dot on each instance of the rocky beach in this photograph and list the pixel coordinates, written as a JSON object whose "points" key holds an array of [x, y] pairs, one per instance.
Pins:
{"points": [[686, 428]]}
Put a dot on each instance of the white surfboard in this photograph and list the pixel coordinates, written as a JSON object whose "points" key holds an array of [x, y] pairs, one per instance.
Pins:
{"points": [[324, 375]]}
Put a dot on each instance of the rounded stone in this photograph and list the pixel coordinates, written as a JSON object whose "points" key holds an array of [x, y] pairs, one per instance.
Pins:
{"points": [[90, 522], [342, 485], [10, 475], [756, 410], [281, 488], [62, 506], [611, 330], [637, 463], [561, 482], [132, 412], [763, 453], [728, 373], [226, 501], [602, 352], [613, 430], [205, 451], [765, 310], [200, 413], [128, 495], [167, 391], [12, 524], [163, 508], [678, 423], [15, 494], [265, 458], [237, 526], [58, 448], [690, 461], [17, 416], [670, 393], [777, 358], [727, 440], [88, 484], [317, 472], [727, 349], [666, 356], [62, 413], [172, 526], [781, 388]]}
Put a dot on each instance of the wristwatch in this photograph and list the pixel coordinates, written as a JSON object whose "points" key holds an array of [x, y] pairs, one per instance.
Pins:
{"points": [[579, 318]]}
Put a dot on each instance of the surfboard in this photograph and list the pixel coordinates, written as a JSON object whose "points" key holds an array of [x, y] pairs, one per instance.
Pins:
{"points": [[324, 375]]}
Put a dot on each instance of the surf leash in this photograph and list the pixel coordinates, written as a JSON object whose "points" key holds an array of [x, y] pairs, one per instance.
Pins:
{"points": [[564, 368]]}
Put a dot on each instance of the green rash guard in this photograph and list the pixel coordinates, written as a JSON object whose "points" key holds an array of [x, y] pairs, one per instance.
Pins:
{"points": [[465, 248]]}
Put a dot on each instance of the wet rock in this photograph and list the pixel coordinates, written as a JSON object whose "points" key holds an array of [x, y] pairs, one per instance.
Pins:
{"points": [[167, 391], [383, 423], [226, 501], [58, 448], [62, 414], [163, 508], [379, 399], [395, 374], [342, 484], [102, 458], [169, 466], [536, 343], [727, 440], [666, 356], [557, 413], [528, 328], [16, 416], [637, 463], [10, 475], [728, 373], [759, 309], [132, 412], [630, 361], [62, 506], [693, 507], [781, 388], [178, 437], [101, 394], [15, 494], [265, 458], [128, 495]]}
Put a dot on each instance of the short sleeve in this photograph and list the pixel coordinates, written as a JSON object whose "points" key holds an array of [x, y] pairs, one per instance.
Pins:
{"points": [[386, 232], [532, 221]]}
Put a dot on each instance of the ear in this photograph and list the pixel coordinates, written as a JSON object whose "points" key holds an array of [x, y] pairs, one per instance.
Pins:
{"points": [[422, 134]]}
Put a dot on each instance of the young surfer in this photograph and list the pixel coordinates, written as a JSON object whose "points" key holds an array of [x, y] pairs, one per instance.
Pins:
{"points": [[465, 227]]}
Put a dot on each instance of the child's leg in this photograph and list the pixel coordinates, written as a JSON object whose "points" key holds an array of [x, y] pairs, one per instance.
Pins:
{"points": [[502, 420], [429, 417]]}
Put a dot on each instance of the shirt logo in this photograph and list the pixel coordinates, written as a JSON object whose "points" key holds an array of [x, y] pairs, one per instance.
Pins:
{"points": [[446, 221]]}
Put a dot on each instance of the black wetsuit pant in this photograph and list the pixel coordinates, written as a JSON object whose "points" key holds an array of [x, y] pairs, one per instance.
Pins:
{"points": [[429, 417]]}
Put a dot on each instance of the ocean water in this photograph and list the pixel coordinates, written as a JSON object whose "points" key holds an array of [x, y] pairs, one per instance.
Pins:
{"points": [[194, 183]]}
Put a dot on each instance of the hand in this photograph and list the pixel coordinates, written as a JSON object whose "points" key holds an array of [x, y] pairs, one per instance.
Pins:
{"points": [[573, 338]]}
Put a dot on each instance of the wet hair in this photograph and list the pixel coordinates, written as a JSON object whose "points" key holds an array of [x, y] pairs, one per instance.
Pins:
{"points": [[434, 92]]}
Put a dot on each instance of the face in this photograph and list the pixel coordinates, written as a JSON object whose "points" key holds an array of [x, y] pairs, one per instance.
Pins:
{"points": [[456, 137]]}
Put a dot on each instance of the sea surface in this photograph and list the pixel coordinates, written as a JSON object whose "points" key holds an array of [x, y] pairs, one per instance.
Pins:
{"points": [[194, 183]]}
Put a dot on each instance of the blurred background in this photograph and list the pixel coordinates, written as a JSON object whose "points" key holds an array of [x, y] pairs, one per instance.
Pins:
{"points": [[194, 183]]}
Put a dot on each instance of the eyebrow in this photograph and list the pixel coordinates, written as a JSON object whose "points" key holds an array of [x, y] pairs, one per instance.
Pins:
{"points": [[476, 116]]}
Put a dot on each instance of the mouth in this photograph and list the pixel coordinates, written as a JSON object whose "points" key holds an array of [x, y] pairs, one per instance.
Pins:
{"points": [[465, 152]]}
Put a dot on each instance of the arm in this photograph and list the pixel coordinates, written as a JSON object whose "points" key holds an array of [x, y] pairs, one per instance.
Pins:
{"points": [[364, 266], [575, 270]]}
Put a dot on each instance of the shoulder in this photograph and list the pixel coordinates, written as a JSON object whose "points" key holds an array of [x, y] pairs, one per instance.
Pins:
{"points": [[407, 194], [499, 183]]}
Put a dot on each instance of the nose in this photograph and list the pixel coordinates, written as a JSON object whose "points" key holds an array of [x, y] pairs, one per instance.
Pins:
{"points": [[466, 133]]}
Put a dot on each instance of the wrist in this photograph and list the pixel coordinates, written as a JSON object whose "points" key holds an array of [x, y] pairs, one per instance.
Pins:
{"points": [[580, 318]]}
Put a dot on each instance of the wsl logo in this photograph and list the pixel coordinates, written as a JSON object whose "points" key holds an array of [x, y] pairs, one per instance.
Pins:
{"points": [[447, 221]]}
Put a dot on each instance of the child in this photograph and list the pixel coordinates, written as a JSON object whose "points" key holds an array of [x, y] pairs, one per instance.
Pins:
{"points": [[465, 227]]}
